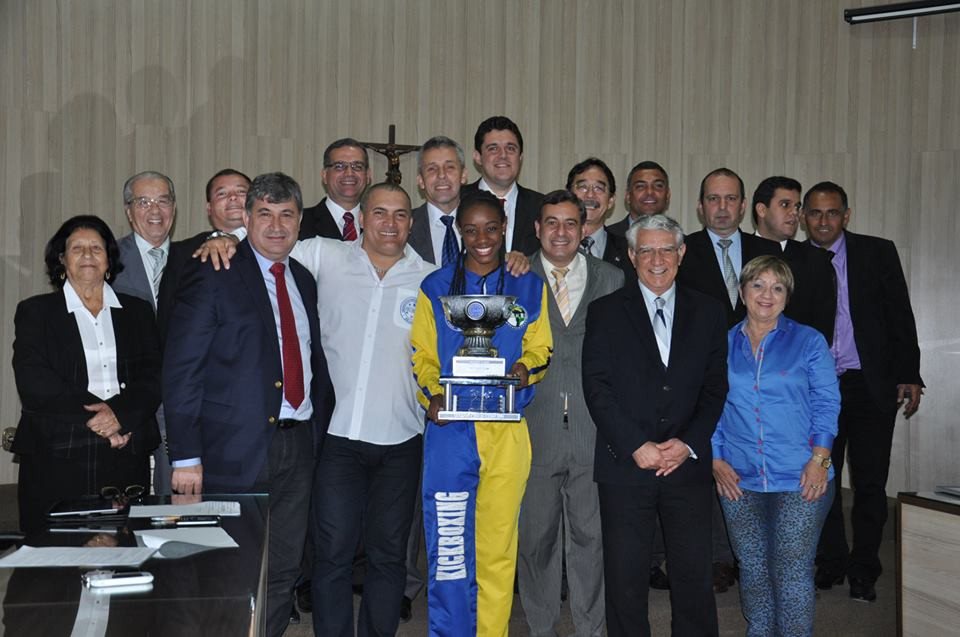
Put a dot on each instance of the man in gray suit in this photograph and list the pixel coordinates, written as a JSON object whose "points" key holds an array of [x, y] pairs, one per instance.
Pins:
{"points": [[560, 515], [440, 174], [151, 206]]}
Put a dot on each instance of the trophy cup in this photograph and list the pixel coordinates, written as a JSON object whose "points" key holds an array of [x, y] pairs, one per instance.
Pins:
{"points": [[484, 391]]}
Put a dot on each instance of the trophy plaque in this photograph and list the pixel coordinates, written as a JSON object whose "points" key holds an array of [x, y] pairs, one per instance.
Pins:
{"points": [[483, 390]]}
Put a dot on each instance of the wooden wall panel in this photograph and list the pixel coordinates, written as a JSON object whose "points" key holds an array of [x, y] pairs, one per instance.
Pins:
{"points": [[92, 92]]}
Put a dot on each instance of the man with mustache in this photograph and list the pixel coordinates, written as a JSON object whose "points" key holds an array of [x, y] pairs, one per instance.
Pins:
{"points": [[648, 193], [346, 174], [498, 153], [592, 182]]}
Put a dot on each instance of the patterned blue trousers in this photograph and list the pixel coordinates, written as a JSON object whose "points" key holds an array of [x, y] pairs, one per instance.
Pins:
{"points": [[774, 536]]}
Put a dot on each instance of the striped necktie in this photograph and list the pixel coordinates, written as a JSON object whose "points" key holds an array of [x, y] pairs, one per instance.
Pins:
{"points": [[561, 293], [450, 246], [729, 274], [349, 229], [159, 258]]}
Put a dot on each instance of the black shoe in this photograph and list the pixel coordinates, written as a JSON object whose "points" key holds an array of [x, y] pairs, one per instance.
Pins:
{"points": [[724, 576], [862, 590], [406, 612], [303, 597], [294, 615], [825, 579], [659, 579]]}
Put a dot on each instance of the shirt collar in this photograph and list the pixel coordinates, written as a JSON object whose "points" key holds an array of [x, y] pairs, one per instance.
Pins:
{"points": [[265, 263], [574, 266], [511, 195], [649, 297], [436, 214], [337, 210], [783, 244], [838, 246], [74, 303], [714, 237], [144, 246]]}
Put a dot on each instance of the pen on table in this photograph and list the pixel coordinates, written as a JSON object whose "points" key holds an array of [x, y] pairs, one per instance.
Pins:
{"points": [[185, 520]]}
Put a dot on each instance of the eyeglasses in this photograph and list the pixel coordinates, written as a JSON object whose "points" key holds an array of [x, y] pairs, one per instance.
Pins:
{"points": [[583, 188], [145, 203], [341, 166], [647, 252], [115, 493]]}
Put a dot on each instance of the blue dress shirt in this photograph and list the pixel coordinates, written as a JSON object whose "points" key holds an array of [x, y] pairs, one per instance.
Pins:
{"points": [[782, 402]]}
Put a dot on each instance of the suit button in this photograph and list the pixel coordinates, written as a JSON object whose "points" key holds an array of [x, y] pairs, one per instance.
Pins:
{"points": [[271, 420], [666, 388], [663, 421], [278, 384]]}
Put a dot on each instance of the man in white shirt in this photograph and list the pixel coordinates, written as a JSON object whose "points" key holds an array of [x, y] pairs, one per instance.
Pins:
{"points": [[346, 173], [498, 153], [150, 203], [367, 475]]}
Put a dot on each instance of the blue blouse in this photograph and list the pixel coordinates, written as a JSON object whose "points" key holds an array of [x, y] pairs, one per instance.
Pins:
{"points": [[782, 402]]}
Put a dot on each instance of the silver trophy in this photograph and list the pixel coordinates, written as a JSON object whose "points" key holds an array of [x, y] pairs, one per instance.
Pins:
{"points": [[477, 368]]}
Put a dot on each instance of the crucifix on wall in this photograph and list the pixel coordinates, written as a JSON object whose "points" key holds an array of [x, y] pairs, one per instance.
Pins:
{"points": [[392, 151]]}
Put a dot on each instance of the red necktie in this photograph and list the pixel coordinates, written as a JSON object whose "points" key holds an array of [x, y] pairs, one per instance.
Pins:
{"points": [[292, 366], [349, 230]]}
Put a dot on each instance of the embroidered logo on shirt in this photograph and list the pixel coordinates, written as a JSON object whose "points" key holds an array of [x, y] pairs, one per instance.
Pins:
{"points": [[517, 316], [407, 308]]}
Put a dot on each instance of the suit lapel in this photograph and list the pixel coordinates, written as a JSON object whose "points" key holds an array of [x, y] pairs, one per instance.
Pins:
{"points": [[249, 271], [421, 237], [682, 324], [134, 275], [553, 310], [636, 309], [72, 342]]}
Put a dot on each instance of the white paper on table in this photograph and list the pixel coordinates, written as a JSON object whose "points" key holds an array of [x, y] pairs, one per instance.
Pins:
{"points": [[212, 536], [210, 507], [49, 556]]}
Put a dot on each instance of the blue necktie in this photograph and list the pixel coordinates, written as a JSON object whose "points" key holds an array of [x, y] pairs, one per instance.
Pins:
{"points": [[450, 247]]}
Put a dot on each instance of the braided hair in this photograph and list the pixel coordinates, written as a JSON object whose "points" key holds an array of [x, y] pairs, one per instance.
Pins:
{"points": [[458, 283]]}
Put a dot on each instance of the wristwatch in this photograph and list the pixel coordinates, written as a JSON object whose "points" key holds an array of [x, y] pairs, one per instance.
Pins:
{"points": [[217, 234], [822, 460]]}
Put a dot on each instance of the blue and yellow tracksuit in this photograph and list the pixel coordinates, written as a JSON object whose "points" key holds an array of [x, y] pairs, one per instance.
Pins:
{"points": [[474, 473]]}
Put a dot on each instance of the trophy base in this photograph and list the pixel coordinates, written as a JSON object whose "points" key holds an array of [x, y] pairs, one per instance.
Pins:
{"points": [[450, 411]]}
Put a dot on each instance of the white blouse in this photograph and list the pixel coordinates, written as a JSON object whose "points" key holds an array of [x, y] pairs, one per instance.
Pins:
{"points": [[99, 344]]}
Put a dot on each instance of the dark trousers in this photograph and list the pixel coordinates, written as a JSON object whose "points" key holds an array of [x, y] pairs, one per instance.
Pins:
{"points": [[362, 491], [628, 514], [865, 435], [286, 477]]}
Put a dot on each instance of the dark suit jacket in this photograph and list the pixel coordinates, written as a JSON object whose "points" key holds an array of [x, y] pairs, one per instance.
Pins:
{"points": [[222, 369], [883, 325], [528, 210], [620, 228], [180, 254], [133, 279], [616, 253], [51, 374], [814, 299], [634, 399], [701, 271], [550, 439], [420, 239], [318, 222]]}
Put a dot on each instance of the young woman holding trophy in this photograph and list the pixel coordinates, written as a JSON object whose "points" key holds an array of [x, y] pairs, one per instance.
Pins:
{"points": [[475, 471]]}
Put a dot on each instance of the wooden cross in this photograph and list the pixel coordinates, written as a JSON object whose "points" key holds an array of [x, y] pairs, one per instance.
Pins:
{"points": [[392, 151]]}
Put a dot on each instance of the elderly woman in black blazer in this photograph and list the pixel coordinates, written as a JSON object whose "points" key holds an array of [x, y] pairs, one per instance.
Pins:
{"points": [[87, 367]]}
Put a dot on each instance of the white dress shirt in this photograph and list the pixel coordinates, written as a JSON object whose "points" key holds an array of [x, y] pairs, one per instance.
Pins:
{"points": [[365, 331], [670, 298], [510, 207], [438, 230], [336, 211], [99, 343], [144, 248], [576, 279]]}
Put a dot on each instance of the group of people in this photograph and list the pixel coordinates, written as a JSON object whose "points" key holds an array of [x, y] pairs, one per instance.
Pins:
{"points": [[686, 397]]}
